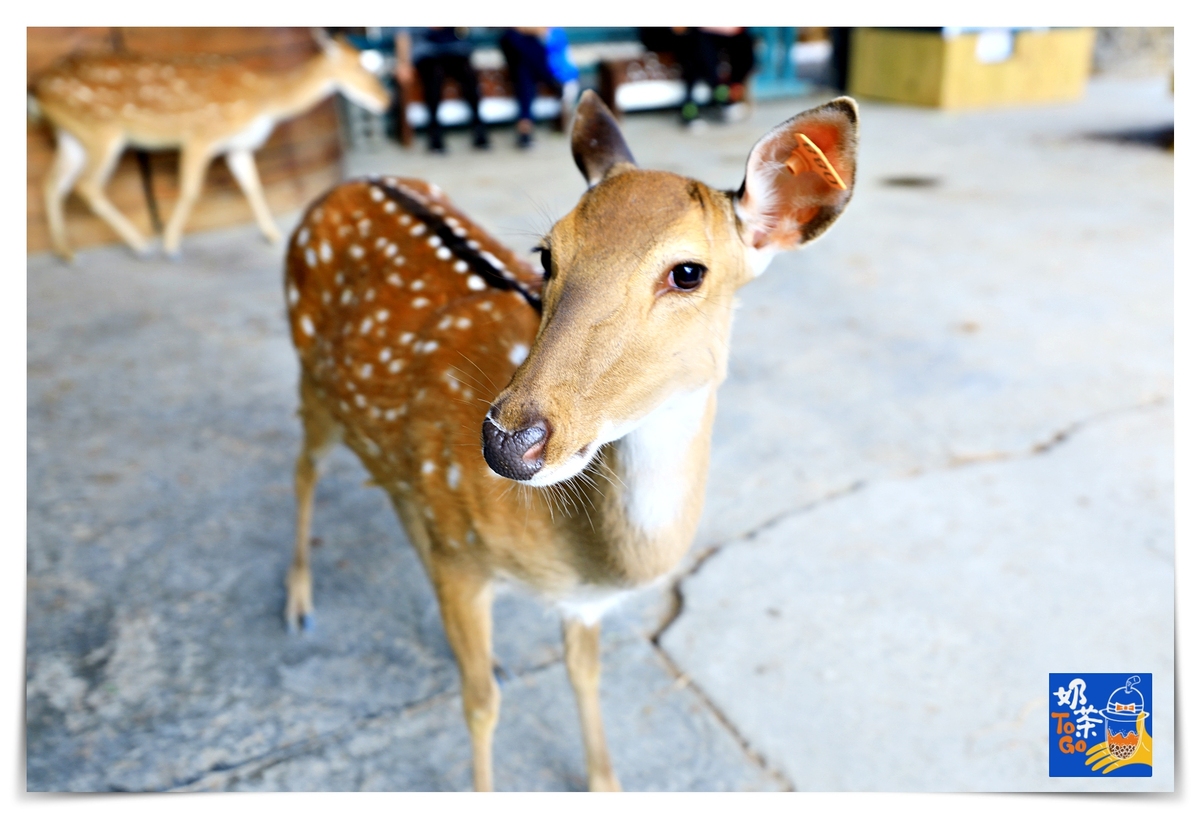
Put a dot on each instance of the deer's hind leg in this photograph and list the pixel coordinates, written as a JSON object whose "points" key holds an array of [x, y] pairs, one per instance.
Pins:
{"points": [[321, 433], [69, 161], [194, 160], [103, 152]]}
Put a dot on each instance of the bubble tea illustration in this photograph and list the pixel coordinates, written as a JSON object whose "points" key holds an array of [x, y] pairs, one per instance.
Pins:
{"points": [[1125, 707]]}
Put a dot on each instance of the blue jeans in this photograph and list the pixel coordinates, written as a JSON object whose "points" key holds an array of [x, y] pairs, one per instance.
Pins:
{"points": [[527, 66]]}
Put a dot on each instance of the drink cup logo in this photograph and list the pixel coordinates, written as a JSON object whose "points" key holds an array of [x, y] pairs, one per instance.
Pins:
{"points": [[1088, 741]]}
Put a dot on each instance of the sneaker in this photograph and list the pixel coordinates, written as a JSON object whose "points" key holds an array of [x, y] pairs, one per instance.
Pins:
{"points": [[524, 140], [436, 143], [721, 94], [481, 141], [689, 113], [735, 112]]}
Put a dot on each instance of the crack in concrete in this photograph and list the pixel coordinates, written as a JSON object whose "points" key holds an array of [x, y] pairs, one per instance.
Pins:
{"points": [[757, 758], [220, 775], [678, 599]]}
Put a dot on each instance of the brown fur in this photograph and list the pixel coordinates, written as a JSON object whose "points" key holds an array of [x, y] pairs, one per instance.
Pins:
{"points": [[403, 352], [195, 103]]}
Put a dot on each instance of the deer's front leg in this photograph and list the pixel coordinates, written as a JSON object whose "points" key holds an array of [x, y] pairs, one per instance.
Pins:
{"points": [[582, 644], [241, 165], [193, 161], [465, 597]]}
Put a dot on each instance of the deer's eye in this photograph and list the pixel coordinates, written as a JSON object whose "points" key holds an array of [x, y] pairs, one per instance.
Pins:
{"points": [[687, 276], [545, 255]]}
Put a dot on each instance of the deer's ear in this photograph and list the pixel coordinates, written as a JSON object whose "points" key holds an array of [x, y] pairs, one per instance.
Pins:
{"points": [[799, 178], [596, 141]]}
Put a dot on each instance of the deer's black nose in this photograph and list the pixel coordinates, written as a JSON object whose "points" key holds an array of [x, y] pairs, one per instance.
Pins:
{"points": [[515, 455]]}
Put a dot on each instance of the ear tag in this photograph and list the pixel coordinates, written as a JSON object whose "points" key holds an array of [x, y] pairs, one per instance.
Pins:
{"points": [[808, 157]]}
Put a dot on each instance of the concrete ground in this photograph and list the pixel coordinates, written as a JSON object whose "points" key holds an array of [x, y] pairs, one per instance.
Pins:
{"points": [[942, 469]]}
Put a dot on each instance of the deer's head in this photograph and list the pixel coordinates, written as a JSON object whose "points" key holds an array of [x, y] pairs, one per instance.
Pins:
{"points": [[353, 73], [640, 283]]}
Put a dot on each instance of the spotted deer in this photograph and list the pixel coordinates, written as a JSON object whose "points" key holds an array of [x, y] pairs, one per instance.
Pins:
{"points": [[206, 106], [549, 428]]}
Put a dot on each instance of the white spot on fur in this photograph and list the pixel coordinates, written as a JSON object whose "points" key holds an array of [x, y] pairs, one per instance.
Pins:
{"points": [[389, 207], [395, 280], [453, 476], [360, 401], [385, 355], [444, 324], [418, 229], [476, 283], [376, 194], [310, 258], [381, 315], [293, 295], [395, 366], [306, 325], [364, 227], [302, 236], [460, 266], [406, 337], [434, 241], [463, 323], [326, 252], [443, 253], [418, 303], [346, 296], [405, 219], [428, 467], [366, 325], [518, 353], [419, 284], [356, 251]]}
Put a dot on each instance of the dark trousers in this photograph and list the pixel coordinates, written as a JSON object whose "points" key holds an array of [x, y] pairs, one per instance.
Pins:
{"points": [[527, 66], [738, 51], [700, 54], [433, 72]]}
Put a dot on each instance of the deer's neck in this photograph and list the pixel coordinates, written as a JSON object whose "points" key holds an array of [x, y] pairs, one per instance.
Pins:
{"points": [[660, 470], [302, 88]]}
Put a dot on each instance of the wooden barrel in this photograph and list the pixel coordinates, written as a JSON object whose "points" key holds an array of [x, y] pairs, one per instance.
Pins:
{"points": [[300, 160]]}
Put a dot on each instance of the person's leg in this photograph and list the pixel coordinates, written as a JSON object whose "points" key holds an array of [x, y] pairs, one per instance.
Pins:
{"points": [[515, 48], [740, 48], [461, 70], [686, 48], [433, 74]]}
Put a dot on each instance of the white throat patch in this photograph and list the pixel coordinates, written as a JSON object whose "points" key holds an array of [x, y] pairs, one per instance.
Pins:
{"points": [[652, 460]]}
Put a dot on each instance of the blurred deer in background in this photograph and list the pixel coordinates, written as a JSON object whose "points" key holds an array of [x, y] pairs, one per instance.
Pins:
{"points": [[206, 106], [592, 383]]}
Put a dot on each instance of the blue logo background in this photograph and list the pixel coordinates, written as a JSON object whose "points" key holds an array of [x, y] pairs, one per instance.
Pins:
{"points": [[1086, 708]]}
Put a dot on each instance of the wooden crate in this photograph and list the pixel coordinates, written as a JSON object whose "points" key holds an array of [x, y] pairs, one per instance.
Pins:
{"points": [[300, 160], [926, 68]]}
